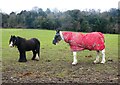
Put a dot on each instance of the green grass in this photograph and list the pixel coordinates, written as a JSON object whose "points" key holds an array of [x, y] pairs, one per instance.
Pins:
{"points": [[57, 58], [48, 49]]}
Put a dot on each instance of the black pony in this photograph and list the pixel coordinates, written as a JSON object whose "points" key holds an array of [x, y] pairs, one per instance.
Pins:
{"points": [[24, 45]]}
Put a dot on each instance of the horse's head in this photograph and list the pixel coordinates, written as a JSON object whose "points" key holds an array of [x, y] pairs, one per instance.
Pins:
{"points": [[57, 37], [13, 41]]}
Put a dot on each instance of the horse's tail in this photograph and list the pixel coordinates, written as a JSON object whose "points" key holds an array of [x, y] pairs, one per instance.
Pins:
{"points": [[36, 41], [37, 45]]}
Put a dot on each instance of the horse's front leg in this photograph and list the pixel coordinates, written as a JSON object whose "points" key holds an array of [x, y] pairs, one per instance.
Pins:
{"points": [[74, 58], [22, 57]]}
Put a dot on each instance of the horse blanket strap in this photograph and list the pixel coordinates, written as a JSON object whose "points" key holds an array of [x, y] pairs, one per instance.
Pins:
{"points": [[79, 41]]}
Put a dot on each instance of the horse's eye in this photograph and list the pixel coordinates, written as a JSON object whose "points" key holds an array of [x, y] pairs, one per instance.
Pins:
{"points": [[15, 41], [56, 37]]}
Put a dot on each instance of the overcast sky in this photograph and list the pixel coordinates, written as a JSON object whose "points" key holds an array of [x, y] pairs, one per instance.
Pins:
{"points": [[8, 6]]}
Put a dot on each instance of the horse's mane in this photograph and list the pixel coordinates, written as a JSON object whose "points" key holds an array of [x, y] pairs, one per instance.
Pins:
{"points": [[20, 38]]}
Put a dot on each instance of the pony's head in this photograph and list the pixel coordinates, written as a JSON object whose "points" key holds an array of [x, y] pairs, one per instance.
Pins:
{"points": [[57, 37], [13, 41]]}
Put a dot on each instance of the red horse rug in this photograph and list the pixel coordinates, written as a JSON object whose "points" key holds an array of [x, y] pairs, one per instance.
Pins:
{"points": [[79, 41]]}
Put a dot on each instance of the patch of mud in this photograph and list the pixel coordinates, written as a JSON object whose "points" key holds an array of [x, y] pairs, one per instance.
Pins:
{"points": [[61, 71]]}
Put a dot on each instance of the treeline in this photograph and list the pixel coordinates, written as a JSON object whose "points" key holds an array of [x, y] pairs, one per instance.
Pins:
{"points": [[72, 20]]}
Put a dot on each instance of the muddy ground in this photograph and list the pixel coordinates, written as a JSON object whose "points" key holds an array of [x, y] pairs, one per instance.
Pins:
{"points": [[59, 71]]}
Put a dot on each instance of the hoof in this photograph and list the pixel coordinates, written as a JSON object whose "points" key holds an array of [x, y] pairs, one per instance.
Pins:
{"points": [[32, 59], [36, 59], [95, 62], [74, 63], [22, 61], [102, 62]]}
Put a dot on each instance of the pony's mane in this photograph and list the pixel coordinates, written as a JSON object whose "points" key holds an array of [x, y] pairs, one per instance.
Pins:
{"points": [[20, 38]]}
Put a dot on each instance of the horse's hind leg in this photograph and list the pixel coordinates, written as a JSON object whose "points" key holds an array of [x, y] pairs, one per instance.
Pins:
{"points": [[34, 55], [103, 56], [97, 57], [37, 53]]}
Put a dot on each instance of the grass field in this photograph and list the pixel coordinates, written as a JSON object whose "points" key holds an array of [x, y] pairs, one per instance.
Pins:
{"points": [[55, 61]]}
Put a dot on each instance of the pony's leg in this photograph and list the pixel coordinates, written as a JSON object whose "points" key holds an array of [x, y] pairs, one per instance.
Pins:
{"points": [[74, 58], [22, 57], [97, 57], [37, 57], [34, 55], [103, 56], [37, 53]]}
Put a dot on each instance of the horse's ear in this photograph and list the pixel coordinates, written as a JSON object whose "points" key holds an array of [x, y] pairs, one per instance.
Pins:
{"points": [[58, 30], [14, 36]]}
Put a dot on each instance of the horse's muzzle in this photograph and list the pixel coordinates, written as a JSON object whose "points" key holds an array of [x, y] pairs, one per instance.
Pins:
{"points": [[10, 45], [54, 42]]}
